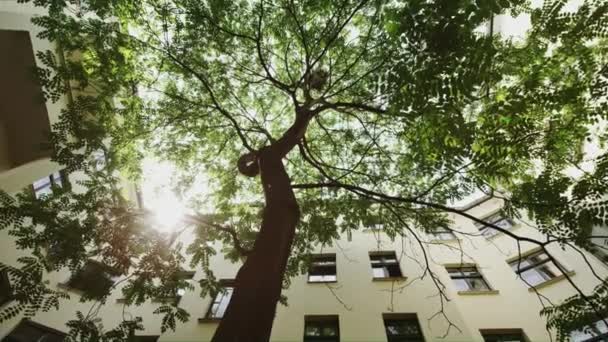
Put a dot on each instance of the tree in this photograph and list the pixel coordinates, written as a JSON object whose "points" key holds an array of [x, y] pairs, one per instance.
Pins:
{"points": [[345, 113]]}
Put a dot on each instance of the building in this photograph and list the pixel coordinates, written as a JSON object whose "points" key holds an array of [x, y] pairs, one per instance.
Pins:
{"points": [[365, 288]]}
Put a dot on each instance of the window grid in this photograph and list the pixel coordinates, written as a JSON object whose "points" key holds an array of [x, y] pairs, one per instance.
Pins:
{"points": [[218, 307], [403, 329], [535, 268], [385, 265], [468, 279], [497, 220], [443, 234], [44, 186], [323, 269], [596, 332], [321, 328]]}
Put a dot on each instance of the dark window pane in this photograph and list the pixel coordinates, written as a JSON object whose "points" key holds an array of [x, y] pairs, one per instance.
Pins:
{"points": [[321, 328], [28, 331], [405, 329], [94, 279], [220, 303], [385, 265], [322, 269], [5, 288]]}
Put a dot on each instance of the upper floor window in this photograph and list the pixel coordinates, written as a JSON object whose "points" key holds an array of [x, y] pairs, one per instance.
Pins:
{"points": [[496, 220], [385, 265], [535, 268], [177, 295], [322, 269], [502, 335], [402, 328], [443, 233], [44, 185], [595, 332], [218, 307], [27, 331], [93, 279], [150, 338], [468, 279], [6, 292], [321, 328]]}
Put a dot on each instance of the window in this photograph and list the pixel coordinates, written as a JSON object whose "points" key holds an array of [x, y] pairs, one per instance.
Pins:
{"points": [[443, 233], [595, 332], [535, 268], [44, 186], [402, 328], [145, 338], [28, 331], [385, 265], [468, 279], [503, 335], [497, 220], [6, 293], [179, 293], [322, 269], [94, 279], [217, 309], [321, 328]]}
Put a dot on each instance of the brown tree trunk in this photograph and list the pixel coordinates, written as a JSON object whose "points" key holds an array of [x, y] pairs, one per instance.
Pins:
{"points": [[251, 311]]}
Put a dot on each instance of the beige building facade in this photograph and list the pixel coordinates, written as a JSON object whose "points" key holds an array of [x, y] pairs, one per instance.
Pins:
{"points": [[366, 287]]}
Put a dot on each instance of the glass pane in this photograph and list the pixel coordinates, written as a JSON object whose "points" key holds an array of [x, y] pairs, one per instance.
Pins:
{"points": [[312, 330], [321, 278], [540, 274], [329, 331], [477, 284], [461, 285], [57, 178], [221, 303], [488, 232], [380, 272], [503, 223]]}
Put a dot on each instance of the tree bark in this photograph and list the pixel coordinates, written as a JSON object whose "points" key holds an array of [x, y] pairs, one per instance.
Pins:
{"points": [[251, 311]]}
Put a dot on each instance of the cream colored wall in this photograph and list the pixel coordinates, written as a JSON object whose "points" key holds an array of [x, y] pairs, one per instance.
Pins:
{"points": [[14, 16], [363, 300]]}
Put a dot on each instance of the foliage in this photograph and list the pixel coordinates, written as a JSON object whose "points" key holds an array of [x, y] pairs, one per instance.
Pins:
{"points": [[417, 108]]}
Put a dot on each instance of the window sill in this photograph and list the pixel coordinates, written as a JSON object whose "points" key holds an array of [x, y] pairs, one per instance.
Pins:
{"points": [[390, 279], [551, 281], [209, 320], [478, 293]]}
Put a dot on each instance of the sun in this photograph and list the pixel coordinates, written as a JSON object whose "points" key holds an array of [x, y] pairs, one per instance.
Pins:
{"points": [[158, 195]]}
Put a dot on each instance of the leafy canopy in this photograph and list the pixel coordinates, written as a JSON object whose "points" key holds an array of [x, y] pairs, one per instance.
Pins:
{"points": [[420, 104]]}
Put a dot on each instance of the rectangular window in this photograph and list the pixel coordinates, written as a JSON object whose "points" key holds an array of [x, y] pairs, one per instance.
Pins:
{"points": [[402, 328], [321, 328], [176, 296], [146, 338], [44, 186], [6, 293], [535, 268], [385, 265], [467, 279], [596, 332], [218, 307], [322, 269], [497, 220], [443, 234], [503, 335], [94, 279], [28, 331]]}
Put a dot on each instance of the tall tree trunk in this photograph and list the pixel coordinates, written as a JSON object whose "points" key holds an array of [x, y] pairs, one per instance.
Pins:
{"points": [[251, 311]]}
